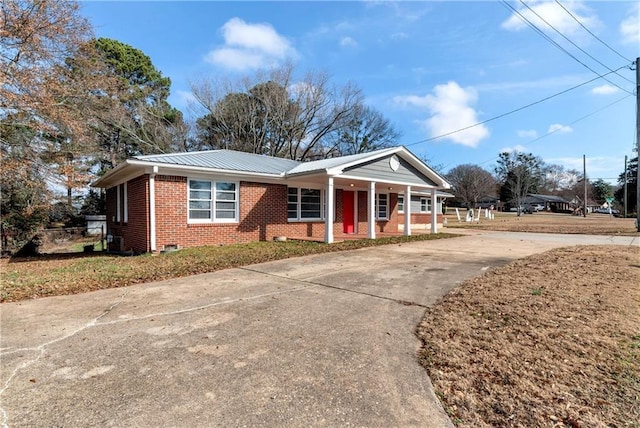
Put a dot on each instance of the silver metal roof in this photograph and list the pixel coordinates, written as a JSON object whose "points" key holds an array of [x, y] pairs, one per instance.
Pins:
{"points": [[325, 164], [226, 160]]}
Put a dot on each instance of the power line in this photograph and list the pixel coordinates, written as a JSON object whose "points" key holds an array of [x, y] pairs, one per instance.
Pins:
{"points": [[586, 116], [554, 43], [571, 41], [589, 31], [426, 140]]}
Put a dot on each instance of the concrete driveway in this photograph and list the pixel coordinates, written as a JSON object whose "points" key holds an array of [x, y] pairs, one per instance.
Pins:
{"points": [[325, 340]]}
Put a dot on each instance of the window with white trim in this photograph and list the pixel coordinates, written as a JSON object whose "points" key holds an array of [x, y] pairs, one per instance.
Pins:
{"points": [[425, 205], [401, 203], [382, 206], [304, 204], [213, 201]]}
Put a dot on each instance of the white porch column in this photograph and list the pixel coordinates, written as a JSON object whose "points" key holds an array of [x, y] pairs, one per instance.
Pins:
{"points": [[152, 209], [371, 211], [328, 218], [434, 212], [407, 211]]}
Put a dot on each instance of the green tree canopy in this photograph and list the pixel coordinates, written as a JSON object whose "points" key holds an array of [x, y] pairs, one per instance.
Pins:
{"points": [[133, 117]]}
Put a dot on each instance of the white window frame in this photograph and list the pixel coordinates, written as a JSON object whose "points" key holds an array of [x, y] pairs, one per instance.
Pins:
{"points": [[212, 210], [401, 210], [386, 217], [298, 218], [425, 205]]}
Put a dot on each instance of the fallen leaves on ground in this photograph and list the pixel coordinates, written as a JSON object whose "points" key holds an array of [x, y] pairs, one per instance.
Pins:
{"points": [[58, 274], [549, 340]]}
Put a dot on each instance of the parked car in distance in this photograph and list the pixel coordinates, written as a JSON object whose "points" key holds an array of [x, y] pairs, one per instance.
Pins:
{"points": [[523, 209], [615, 213], [528, 208]]}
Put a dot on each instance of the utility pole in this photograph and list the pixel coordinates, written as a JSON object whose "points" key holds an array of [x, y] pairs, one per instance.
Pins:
{"points": [[625, 186], [638, 143], [584, 176]]}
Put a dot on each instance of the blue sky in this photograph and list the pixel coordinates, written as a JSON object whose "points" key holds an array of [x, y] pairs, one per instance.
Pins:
{"points": [[430, 67]]}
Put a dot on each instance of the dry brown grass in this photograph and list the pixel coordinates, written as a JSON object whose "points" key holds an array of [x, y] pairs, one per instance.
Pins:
{"points": [[550, 340], [73, 273], [595, 224]]}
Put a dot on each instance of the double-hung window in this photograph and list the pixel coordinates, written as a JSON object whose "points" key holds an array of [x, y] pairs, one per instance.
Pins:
{"points": [[213, 201], [425, 205], [304, 204], [400, 203], [382, 206]]}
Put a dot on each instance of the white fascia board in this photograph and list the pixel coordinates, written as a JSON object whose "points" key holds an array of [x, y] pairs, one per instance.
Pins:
{"points": [[338, 169], [414, 185], [108, 180]]}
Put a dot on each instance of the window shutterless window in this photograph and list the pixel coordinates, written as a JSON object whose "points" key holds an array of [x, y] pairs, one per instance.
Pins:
{"points": [[425, 205], [213, 201], [382, 206], [400, 203], [304, 204]]}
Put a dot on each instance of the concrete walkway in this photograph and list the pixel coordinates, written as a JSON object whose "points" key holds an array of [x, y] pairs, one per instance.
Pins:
{"points": [[324, 340]]}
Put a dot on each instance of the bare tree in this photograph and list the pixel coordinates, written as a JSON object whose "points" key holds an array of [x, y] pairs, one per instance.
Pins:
{"points": [[519, 174], [365, 130], [470, 183], [273, 114]]}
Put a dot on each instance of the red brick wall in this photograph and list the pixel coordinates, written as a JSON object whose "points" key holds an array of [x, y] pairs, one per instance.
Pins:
{"points": [[263, 215], [135, 231], [419, 218]]}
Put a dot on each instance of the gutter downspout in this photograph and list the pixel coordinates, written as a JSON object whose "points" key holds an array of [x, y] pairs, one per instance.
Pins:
{"points": [[152, 209]]}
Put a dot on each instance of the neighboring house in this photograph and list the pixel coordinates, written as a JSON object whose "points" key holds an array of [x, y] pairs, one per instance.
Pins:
{"points": [[550, 202], [223, 197]]}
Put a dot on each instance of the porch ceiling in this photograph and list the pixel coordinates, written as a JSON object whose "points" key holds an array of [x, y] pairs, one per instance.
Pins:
{"points": [[341, 182]]}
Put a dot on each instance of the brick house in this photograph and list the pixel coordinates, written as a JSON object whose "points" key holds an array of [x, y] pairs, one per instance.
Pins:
{"points": [[222, 197]]}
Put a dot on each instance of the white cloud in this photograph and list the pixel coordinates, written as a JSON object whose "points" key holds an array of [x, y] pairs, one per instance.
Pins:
{"points": [[555, 15], [517, 148], [596, 165], [348, 42], [249, 46], [450, 108], [529, 133], [605, 89], [399, 36], [562, 129], [630, 27]]}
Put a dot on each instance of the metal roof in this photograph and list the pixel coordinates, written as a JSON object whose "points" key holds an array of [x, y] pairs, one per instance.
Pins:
{"points": [[547, 198], [226, 160], [325, 164], [230, 161]]}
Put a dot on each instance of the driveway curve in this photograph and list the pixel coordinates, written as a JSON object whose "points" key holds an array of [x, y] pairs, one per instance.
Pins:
{"points": [[324, 340]]}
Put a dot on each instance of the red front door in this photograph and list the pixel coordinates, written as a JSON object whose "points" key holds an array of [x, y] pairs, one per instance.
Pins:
{"points": [[348, 212]]}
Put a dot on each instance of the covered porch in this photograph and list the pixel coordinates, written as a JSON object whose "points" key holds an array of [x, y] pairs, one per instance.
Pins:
{"points": [[360, 193]]}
